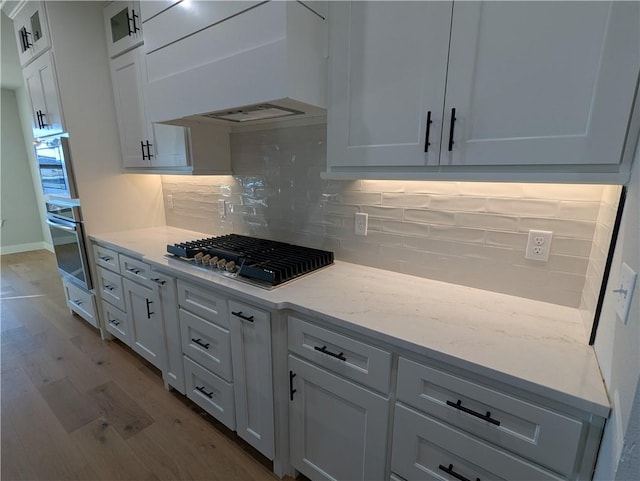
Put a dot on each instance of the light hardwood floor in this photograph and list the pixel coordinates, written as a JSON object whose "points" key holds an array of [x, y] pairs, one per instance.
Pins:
{"points": [[77, 407]]}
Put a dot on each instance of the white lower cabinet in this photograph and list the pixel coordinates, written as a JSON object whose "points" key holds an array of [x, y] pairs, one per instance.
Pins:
{"points": [[80, 301], [145, 318], [210, 392], [424, 448], [338, 430], [116, 322], [252, 381]]}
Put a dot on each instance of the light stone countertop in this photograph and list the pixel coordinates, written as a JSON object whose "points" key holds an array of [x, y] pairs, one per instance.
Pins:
{"points": [[532, 345]]}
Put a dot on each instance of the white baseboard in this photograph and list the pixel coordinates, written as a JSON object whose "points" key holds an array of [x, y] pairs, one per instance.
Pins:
{"points": [[32, 246]]}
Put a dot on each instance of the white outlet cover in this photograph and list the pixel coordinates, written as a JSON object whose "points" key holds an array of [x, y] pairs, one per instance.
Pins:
{"points": [[623, 291], [538, 245]]}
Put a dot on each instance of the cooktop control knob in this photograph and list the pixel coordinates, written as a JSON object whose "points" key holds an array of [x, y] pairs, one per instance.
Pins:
{"points": [[222, 263], [205, 260], [213, 262], [230, 267], [198, 257]]}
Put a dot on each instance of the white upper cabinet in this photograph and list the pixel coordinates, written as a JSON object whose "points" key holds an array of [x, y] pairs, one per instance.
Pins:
{"points": [[40, 82], [32, 31], [535, 87], [387, 80], [123, 26]]}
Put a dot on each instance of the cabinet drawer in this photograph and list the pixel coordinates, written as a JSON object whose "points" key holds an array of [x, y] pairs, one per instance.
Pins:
{"points": [[116, 322], [206, 343], [204, 303], [110, 285], [247, 313], [355, 360], [106, 258], [425, 448], [546, 437], [210, 392], [136, 270], [81, 302]]}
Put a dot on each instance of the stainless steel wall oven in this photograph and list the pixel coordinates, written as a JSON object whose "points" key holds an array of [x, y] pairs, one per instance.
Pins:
{"points": [[67, 235]]}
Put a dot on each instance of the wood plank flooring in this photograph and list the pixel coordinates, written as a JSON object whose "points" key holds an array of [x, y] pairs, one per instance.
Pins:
{"points": [[75, 407]]}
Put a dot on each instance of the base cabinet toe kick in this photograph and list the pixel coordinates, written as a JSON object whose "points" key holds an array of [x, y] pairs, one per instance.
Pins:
{"points": [[331, 403]]}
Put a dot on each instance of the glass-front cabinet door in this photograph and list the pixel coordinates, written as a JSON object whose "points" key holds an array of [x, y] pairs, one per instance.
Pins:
{"points": [[123, 26], [32, 32]]}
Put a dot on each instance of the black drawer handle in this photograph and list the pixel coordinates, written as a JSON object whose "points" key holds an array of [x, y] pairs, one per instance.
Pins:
{"points": [[109, 288], [114, 322], [149, 313], [133, 270], [324, 350], [241, 316], [485, 417], [204, 391], [105, 258], [449, 470], [158, 281], [78, 302], [200, 343]]}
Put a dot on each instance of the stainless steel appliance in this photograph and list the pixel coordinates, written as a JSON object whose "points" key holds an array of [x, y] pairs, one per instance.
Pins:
{"points": [[261, 262], [67, 235], [54, 166]]}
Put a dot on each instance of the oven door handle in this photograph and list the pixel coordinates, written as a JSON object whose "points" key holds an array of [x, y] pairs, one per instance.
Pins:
{"points": [[60, 225]]}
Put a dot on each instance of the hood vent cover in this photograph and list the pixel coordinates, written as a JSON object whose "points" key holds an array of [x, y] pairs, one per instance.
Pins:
{"points": [[253, 112]]}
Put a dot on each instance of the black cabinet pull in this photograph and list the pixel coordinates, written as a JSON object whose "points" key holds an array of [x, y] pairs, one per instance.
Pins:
{"points": [[109, 288], [78, 302], [158, 281], [26, 44], [134, 16], [105, 258], [449, 470], [38, 119], [485, 417], [453, 123], [114, 322], [129, 20], [204, 391], [200, 343], [242, 316], [144, 156], [324, 350], [42, 116], [428, 130], [291, 390], [149, 154], [133, 270], [149, 313]]}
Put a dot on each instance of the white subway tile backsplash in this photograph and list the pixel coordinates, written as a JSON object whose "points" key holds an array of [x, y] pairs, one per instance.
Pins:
{"points": [[470, 233]]}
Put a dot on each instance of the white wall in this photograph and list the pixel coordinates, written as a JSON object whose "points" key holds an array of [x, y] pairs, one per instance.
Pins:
{"points": [[10, 72], [21, 228], [618, 349]]}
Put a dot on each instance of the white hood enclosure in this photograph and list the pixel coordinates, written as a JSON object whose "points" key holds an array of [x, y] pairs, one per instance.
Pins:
{"points": [[234, 61]]}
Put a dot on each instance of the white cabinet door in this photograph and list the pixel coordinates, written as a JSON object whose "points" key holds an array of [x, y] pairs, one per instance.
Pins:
{"points": [[338, 430], [387, 77], [123, 26], [42, 88], [32, 31], [145, 322], [143, 144], [540, 82], [126, 75], [173, 371], [252, 381]]}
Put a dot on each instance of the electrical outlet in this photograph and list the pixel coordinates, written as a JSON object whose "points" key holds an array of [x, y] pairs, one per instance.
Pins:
{"points": [[362, 223], [624, 291], [170, 201], [538, 245], [222, 208]]}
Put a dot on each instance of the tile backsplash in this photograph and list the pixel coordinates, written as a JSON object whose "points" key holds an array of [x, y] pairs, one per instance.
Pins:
{"points": [[470, 233]]}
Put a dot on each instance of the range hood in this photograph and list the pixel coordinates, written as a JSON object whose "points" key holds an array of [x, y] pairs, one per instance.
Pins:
{"points": [[264, 64]]}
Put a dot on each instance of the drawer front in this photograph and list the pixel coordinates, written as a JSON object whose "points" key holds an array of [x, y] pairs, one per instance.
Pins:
{"points": [[247, 313], [206, 304], [206, 343], [210, 392], [424, 448], [81, 302], [546, 437], [106, 258], [111, 289], [355, 360], [136, 271], [116, 322]]}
